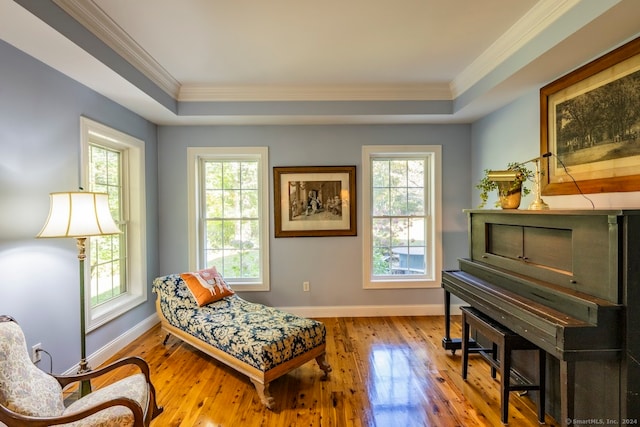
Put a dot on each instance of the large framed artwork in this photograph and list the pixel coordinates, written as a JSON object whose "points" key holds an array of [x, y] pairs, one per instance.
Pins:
{"points": [[312, 201], [590, 123]]}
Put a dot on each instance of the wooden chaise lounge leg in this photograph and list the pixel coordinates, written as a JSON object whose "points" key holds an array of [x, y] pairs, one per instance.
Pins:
{"points": [[263, 393], [166, 338], [324, 365]]}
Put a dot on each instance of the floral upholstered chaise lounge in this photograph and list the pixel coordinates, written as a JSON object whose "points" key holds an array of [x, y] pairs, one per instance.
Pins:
{"points": [[261, 342]]}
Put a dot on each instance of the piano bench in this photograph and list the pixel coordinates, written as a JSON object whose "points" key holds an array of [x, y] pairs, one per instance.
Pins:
{"points": [[506, 341]]}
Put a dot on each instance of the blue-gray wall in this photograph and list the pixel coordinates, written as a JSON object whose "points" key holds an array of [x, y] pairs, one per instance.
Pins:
{"points": [[333, 265], [512, 134], [40, 111]]}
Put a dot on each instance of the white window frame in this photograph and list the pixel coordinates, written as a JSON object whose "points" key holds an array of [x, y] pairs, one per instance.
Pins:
{"points": [[134, 213], [195, 156], [433, 155]]}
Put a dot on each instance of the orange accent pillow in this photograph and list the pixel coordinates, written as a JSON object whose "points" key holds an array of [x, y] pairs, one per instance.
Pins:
{"points": [[206, 286]]}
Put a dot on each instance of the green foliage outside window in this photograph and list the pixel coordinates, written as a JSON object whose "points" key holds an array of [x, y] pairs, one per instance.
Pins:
{"points": [[232, 230]]}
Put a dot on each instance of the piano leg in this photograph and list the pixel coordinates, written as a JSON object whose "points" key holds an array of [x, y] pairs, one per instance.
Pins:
{"points": [[447, 342], [542, 381], [567, 386]]}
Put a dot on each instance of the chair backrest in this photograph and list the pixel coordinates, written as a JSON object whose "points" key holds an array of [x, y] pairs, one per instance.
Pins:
{"points": [[24, 388]]}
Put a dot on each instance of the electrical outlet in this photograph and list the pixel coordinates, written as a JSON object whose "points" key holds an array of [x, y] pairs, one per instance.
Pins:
{"points": [[305, 286], [35, 353]]}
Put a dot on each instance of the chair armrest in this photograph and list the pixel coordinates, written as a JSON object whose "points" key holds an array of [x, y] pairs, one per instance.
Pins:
{"points": [[11, 418], [65, 380]]}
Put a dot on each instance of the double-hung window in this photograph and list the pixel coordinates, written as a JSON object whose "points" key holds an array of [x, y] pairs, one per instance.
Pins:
{"points": [[401, 216], [229, 214], [113, 163]]}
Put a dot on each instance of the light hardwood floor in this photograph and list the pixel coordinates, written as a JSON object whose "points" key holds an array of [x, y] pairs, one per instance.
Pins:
{"points": [[387, 372]]}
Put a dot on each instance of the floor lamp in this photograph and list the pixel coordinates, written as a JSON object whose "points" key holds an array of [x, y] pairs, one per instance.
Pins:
{"points": [[80, 215]]}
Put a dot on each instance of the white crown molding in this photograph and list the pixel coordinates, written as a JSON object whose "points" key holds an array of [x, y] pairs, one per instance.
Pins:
{"points": [[534, 22], [400, 92], [89, 15]]}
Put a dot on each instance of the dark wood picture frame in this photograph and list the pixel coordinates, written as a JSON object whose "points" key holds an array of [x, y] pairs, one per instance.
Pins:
{"points": [[314, 201], [602, 153]]}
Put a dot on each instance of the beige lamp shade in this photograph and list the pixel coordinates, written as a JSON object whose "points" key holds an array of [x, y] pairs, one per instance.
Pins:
{"points": [[79, 214]]}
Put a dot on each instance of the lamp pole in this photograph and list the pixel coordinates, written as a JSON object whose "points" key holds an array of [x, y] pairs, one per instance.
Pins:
{"points": [[85, 385], [538, 204]]}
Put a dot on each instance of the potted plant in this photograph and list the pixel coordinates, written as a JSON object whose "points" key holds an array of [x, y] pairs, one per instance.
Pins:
{"points": [[510, 184]]}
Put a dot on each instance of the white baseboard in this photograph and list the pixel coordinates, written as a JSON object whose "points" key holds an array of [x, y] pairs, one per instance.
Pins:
{"points": [[110, 349], [372, 310]]}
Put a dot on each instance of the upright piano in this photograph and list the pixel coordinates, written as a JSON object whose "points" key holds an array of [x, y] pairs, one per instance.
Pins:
{"points": [[568, 281]]}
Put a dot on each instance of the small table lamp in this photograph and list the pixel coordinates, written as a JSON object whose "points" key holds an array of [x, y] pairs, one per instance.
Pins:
{"points": [[80, 215]]}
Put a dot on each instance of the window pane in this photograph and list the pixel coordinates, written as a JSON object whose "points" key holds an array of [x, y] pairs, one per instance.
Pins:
{"points": [[231, 175], [214, 258], [213, 175], [398, 201], [251, 234], [381, 261], [214, 235], [398, 173], [249, 175], [380, 173], [250, 204], [251, 263], [416, 232], [113, 168], [214, 208], [231, 264], [415, 201], [380, 200], [415, 170], [231, 204], [399, 232], [381, 232], [230, 230]]}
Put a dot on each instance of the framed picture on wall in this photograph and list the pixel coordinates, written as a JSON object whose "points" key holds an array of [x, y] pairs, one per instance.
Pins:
{"points": [[313, 201], [590, 122]]}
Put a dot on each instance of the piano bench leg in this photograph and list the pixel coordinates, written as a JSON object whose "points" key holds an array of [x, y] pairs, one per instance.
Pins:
{"points": [[503, 341], [494, 353], [505, 380], [465, 347]]}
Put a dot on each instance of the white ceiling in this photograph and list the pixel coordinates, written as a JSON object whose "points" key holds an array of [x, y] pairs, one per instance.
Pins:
{"points": [[333, 61], [329, 42]]}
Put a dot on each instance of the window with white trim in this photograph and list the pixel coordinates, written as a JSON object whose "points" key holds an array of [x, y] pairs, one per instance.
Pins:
{"points": [[229, 214], [401, 216], [108, 253], [116, 280]]}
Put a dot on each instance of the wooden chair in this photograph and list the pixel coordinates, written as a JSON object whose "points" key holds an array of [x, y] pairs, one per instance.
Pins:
{"points": [[31, 397]]}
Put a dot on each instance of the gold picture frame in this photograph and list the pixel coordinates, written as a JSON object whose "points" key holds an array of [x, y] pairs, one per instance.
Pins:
{"points": [[590, 123], [314, 201]]}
